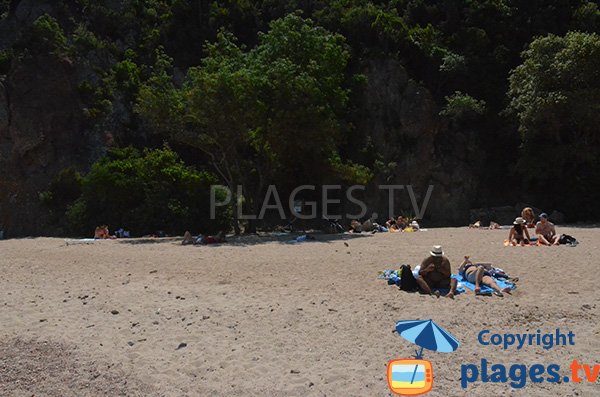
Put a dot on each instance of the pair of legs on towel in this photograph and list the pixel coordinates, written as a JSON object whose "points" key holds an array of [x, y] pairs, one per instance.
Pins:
{"points": [[477, 275]]}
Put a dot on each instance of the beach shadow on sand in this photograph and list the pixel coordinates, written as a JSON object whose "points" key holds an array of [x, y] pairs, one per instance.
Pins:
{"points": [[291, 238], [150, 240], [254, 239]]}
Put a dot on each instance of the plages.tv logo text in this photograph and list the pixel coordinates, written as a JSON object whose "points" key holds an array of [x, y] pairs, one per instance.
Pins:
{"points": [[517, 375]]}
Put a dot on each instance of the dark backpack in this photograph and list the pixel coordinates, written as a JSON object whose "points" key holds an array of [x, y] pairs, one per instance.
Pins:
{"points": [[566, 239], [408, 282]]}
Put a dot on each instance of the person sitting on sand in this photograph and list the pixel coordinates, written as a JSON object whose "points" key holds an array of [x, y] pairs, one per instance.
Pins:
{"points": [[477, 274], [101, 232], [414, 226], [475, 225], [529, 216], [546, 231], [399, 224], [402, 222], [518, 233], [436, 273]]}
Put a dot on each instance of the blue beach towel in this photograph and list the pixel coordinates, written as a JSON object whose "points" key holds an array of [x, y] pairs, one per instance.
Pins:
{"points": [[443, 291], [393, 278]]}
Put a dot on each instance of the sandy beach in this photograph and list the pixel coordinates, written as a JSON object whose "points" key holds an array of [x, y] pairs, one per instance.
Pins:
{"points": [[264, 318]]}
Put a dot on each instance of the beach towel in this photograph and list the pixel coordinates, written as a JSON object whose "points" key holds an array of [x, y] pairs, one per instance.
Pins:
{"points": [[301, 239], [393, 278], [532, 243], [443, 291], [484, 288], [80, 241]]}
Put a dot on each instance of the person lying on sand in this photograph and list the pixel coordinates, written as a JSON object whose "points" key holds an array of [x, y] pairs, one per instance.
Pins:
{"points": [[436, 273], [189, 239], [546, 231], [475, 225], [477, 274], [494, 225], [518, 233], [355, 226]]}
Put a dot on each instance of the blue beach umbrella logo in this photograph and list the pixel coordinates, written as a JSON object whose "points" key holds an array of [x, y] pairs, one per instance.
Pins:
{"points": [[427, 335], [411, 377]]}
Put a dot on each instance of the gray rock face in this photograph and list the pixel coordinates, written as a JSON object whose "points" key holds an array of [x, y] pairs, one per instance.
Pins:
{"points": [[403, 120], [504, 215], [42, 131], [557, 217]]}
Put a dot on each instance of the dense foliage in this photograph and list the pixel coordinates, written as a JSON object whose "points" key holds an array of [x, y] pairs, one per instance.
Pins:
{"points": [[263, 92], [556, 96], [141, 192]]}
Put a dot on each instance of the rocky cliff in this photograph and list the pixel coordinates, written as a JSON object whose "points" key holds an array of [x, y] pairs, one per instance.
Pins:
{"points": [[416, 147], [42, 131]]}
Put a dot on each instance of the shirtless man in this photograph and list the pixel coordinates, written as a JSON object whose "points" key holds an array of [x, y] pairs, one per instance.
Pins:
{"points": [[436, 273], [546, 231]]}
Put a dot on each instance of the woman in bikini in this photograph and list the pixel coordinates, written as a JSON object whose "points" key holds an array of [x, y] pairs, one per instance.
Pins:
{"points": [[477, 274], [518, 233]]}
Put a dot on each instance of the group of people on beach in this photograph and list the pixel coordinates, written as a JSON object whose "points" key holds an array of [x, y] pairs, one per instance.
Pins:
{"points": [[435, 273], [392, 225], [545, 231]]}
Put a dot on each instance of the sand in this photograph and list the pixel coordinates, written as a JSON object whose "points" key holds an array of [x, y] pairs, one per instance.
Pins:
{"points": [[265, 318]]}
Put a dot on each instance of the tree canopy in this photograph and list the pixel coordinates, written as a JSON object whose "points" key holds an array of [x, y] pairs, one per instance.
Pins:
{"points": [[555, 95], [499, 94]]}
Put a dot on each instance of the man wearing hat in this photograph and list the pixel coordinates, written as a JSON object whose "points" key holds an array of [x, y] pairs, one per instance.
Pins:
{"points": [[546, 231], [436, 273]]}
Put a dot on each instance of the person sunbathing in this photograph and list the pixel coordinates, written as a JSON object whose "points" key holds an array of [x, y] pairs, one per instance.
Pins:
{"points": [[200, 239], [546, 231], [518, 233], [396, 224], [402, 222], [436, 273], [355, 226], [478, 274]]}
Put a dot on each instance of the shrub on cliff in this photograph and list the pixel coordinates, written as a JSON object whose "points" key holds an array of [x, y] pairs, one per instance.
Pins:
{"points": [[145, 192], [44, 36]]}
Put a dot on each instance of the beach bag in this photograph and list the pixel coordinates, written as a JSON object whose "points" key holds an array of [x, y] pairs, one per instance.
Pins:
{"points": [[408, 282], [567, 240]]}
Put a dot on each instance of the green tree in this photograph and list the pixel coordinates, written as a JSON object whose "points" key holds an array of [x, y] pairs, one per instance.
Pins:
{"points": [[145, 192], [555, 95], [302, 73], [261, 114]]}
